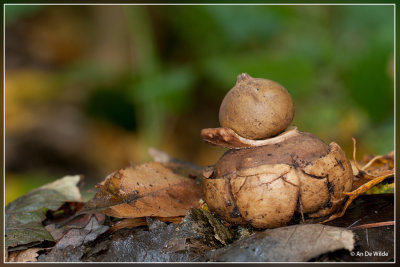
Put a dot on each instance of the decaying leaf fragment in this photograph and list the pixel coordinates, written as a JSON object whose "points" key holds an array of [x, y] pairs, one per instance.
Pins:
{"points": [[28, 255], [24, 216], [141, 246], [371, 167], [150, 189], [79, 231], [200, 231], [297, 243], [140, 221], [187, 241]]}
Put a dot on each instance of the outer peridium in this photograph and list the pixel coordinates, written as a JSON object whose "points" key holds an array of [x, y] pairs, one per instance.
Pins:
{"points": [[268, 195]]}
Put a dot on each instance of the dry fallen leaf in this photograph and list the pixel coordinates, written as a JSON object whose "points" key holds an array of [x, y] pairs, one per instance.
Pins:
{"points": [[28, 255], [141, 245], [140, 221], [200, 231], [24, 216], [370, 167], [59, 231], [150, 189], [296, 243], [76, 237]]}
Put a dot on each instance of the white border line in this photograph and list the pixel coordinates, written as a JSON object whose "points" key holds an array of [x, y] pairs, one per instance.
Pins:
{"points": [[4, 132], [394, 122], [198, 4]]}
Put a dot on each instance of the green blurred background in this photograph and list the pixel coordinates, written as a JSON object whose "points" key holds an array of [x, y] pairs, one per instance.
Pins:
{"points": [[90, 88]]}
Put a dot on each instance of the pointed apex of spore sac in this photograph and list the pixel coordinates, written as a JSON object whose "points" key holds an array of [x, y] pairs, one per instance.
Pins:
{"points": [[242, 77]]}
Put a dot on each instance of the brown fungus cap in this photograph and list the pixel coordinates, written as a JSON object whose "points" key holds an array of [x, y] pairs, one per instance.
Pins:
{"points": [[256, 108]]}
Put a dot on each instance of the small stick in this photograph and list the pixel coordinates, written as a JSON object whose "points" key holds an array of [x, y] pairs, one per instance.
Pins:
{"points": [[365, 187], [354, 154], [372, 225], [355, 193], [371, 161], [353, 223]]}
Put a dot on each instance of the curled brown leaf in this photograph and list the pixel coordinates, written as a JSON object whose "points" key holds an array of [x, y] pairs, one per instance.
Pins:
{"points": [[151, 189]]}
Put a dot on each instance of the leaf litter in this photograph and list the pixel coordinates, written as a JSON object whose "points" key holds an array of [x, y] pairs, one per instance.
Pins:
{"points": [[296, 243], [74, 237], [28, 255], [160, 222], [24, 216], [150, 189]]}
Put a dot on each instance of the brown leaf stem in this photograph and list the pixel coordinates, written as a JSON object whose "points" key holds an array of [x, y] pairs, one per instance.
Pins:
{"points": [[372, 225]]}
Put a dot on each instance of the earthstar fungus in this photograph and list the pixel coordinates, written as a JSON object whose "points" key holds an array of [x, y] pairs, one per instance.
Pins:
{"points": [[264, 182]]}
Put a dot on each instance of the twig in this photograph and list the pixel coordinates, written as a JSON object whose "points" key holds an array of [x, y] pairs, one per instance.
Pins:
{"points": [[372, 225], [354, 154], [353, 223], [355, 193], [366, 166]]}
